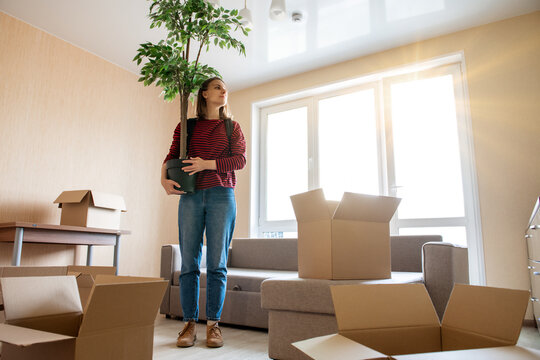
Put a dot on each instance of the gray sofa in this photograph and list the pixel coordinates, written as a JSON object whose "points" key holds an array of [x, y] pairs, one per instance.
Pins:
{"points": [[250, 262], [274, 264]]}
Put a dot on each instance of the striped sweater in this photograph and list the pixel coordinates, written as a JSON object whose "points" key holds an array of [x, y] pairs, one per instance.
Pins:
{"points": [[209, 141]]}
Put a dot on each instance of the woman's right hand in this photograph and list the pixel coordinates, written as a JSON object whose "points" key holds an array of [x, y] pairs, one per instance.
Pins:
{"points": [[169, 185]]}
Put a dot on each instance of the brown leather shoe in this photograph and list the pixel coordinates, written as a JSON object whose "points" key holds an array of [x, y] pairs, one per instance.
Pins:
{"points": [[213, 336], [187, 336]]}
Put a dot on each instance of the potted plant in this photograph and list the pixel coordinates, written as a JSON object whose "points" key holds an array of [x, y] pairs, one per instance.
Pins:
{"points": [[174, 63]]}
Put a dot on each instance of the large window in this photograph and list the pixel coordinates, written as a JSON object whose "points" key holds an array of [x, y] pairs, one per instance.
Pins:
{"points": [[400, 134]]}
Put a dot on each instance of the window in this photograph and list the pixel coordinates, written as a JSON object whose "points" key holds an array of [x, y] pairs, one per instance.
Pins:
{"points": [[348, 144], [403, 134], [425, 154], [285, 161]]}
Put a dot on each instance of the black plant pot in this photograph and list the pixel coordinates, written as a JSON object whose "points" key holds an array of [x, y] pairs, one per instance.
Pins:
{"points": [[175, 172]]}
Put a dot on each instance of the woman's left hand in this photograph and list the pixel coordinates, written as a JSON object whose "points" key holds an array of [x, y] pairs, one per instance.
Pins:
{"points": [[197, 164]]}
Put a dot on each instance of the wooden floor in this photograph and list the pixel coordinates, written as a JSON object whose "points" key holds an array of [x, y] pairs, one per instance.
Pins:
{"points": [[240, 343], [244, 343]]}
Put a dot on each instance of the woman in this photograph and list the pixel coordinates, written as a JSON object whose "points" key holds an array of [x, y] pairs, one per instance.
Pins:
{"points": [[212, 208]]}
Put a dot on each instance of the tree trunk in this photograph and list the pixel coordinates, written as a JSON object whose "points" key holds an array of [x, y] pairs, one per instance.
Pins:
{"points": [[184, 100]]}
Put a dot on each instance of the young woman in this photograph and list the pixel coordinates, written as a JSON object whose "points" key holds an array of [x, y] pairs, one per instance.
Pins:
{"points": [[211, 209]]}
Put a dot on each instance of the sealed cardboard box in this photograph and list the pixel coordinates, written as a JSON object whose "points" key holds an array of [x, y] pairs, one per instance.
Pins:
{"points": [[347, 239], [391, 321], [90, 209], [45, 318]]}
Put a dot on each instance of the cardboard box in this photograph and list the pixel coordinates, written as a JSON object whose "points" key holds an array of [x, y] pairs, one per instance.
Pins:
{"points": [[91, 209], [347, 239], [45, 318], [385, 321]]}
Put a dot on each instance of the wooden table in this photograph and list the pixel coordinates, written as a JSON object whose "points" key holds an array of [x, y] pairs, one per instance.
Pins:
{"points": [[19, 232]]}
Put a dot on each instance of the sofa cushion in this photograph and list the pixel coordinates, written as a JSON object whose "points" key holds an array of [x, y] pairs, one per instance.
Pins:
{"points": [[243, 279], [273, 254], [313, 295]]}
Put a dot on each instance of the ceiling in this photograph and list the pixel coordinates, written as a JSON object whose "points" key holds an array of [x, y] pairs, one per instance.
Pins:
{"points": [[331, 30]]}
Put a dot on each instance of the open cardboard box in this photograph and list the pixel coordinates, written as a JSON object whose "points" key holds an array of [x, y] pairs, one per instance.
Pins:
{"points": [[347, 239], [392, 320], [90, 209], [45, 318]]}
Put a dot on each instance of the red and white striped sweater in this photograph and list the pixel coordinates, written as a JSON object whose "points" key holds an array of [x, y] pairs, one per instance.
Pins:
{"points": [[209, 141]]}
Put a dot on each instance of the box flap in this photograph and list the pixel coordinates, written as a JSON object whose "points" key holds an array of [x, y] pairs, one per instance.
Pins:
{"points": [[17, 271], [28, 297], [332, 347], [361, 207], [92, 270], [332, 206], [72, 196], [311, 206], [489, 311], [129, 302], [21, 336], [114, 279], [494, 353], [108, 201], [382, 306]]}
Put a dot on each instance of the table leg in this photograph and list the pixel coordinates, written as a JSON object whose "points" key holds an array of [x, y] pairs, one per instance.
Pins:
{"points": [[17, 247], [117, 253], [89, 255]]}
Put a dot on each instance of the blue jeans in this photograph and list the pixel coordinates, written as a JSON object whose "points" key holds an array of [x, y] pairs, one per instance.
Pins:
{"points": [[213, 210]]}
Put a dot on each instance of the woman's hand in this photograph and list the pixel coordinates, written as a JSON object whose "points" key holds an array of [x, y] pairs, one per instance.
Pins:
{"points": [[198, 164], [169, 185]]}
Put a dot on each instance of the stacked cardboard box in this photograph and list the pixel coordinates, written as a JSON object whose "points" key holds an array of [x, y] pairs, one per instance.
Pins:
{"points": [[347, 239]]}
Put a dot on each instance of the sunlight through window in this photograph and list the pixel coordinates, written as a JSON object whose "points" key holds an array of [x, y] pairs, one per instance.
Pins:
{"points": [[287, 165], [426, 149], [454, 234], [348, 144]]}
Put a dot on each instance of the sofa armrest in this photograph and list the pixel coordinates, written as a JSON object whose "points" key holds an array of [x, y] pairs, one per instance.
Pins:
{"points": [[443, 265], [171, 261], [406, 251]]}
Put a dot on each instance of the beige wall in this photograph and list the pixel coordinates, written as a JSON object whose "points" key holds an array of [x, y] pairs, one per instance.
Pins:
{"points": [[503, 75], [70, 120]]}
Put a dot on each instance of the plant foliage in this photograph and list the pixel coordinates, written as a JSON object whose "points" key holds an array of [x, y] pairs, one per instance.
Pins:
{"points": [[174, 63]]}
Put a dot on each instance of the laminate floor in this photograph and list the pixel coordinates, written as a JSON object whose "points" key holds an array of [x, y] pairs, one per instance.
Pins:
{"points": [[240, 343], [244, 343]]}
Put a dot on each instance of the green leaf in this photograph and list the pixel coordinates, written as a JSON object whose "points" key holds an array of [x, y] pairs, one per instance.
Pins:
{"points": [[185, 21]]}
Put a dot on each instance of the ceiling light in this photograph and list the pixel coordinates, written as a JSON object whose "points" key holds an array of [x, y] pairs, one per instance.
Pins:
{"points": [[213, 2], [245, 13], [277, 10]]}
